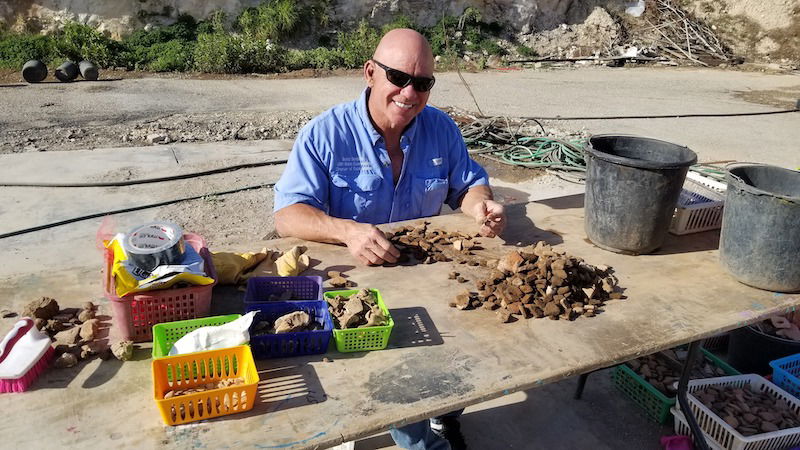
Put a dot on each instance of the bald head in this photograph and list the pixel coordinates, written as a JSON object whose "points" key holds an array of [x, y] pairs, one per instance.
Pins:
{"points": [[403, 47], [393, 104]]}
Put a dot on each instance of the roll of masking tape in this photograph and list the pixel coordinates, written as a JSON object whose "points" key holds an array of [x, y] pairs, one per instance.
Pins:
{"points": [[154, 244]]}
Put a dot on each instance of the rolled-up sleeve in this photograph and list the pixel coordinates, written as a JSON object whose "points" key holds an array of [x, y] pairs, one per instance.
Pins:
{"points": [[464, 171], [305, 179]]}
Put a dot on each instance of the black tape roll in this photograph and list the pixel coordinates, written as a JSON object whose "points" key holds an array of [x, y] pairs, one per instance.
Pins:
{"points": [[154, 244]]}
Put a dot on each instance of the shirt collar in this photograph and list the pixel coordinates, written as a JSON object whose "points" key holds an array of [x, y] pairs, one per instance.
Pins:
{"points": [[363, 112]]}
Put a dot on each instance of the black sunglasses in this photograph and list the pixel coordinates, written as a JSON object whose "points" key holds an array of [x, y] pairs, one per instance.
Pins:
{"points": [[402, 79]]}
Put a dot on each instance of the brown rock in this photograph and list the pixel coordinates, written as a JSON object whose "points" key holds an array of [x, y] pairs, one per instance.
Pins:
{"points": [[68, 337], [88, 331], [338, 282], [552, 309], [452, 275], [122, 350], [767, 426], [294, 321], [66, 360], [334, 274], [44, 308], [54, 326], [514, 308], [91, 348], [86, 314], [730, 420], [462, 301], [504, 315], [510, 262]]}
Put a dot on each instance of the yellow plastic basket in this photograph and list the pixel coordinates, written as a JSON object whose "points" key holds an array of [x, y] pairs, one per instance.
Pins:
{"points": [[362, 339], [197, 369]]}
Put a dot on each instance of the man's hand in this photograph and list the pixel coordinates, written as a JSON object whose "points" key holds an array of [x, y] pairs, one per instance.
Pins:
{"points": [[369, 245], [491, 216]]}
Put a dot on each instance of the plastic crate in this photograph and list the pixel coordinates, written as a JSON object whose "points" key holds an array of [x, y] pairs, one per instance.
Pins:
{"points": [[362, 339], [785, 373], [259, 289], [682, 429], [699, 209], [135, 314], [196, 369], [723, 435], [654, 403], [291, 344], [166, 334]]}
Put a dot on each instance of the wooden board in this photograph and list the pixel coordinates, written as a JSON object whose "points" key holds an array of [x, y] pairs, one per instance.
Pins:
{"points": [[439, 358]]}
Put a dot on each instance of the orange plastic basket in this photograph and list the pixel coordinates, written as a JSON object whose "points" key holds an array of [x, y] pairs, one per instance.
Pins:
{"points": [[197, 369]]}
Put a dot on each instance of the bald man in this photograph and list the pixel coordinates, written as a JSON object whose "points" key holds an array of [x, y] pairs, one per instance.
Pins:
{"points": [[385, 157]]}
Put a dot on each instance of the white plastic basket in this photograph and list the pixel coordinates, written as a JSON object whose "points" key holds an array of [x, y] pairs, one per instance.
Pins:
{"points": [[726, 437], [682, 429], [699, 208]]}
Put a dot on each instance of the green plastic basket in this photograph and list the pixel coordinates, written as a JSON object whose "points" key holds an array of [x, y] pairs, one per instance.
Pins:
{"points": [[166, 334], [362, 339], [654, 403]]}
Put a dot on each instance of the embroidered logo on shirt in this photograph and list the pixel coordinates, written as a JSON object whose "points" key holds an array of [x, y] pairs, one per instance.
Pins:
{"points": [[352, 164], [437, 161]]}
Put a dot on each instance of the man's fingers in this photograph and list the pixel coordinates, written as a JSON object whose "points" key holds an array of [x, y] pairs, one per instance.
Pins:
{"points": [[385, 249], [371, 257], [487, 231]]}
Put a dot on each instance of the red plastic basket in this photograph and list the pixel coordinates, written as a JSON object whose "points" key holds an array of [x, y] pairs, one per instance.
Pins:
{"points": [[134, 315]]}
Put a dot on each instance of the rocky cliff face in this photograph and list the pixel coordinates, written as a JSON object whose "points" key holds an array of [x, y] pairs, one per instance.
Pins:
{"points": [[754, 28]]}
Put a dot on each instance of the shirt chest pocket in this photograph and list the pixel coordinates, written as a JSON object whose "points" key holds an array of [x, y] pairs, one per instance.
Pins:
{"points": [[430, 194], [354, 196]]}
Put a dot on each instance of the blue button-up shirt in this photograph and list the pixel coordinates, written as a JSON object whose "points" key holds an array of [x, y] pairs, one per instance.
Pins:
{"points": [[339, 164]]}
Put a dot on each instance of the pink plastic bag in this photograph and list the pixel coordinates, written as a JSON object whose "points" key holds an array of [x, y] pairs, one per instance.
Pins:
{"points": [[676, 443]]}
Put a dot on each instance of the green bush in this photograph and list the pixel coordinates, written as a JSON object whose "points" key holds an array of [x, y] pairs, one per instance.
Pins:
{"points": [[172, 56], [76, 42], [258, 55], [357, 46], [225, 53], [273, 19], [17, 49], [526, 51], [209, 46], [216, 53]]}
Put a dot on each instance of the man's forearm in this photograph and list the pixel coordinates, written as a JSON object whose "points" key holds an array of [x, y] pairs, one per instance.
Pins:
{"points": [[474, 196], [309, 223]]}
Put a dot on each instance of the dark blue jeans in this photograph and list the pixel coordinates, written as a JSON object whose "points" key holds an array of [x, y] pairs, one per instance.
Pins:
{"points": [[419, 436]]}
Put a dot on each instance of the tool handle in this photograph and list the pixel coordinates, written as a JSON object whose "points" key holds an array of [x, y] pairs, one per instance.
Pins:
{"points": [[20, 329]]}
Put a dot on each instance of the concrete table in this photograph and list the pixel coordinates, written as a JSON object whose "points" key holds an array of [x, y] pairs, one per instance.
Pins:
{"points": [[439, 358]]}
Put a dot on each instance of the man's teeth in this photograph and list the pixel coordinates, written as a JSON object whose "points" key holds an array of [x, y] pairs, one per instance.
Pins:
{"points": [[402, 105]]}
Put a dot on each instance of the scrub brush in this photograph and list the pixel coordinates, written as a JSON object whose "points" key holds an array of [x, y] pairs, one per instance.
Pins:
{"points": [[25, 353]]}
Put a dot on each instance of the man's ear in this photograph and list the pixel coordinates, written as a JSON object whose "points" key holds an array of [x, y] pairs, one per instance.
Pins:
{"points": [[369, 72]]}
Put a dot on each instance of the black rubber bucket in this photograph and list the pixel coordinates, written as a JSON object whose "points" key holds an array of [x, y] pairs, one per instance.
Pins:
{"points": [[67, 71], [632, 186], [751, 350], [88, 70], [34, 71], [760, 240]]}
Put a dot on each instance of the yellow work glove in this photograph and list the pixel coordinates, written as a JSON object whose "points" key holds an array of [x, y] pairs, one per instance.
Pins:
{"points": [[266, 268], [231, 266], [293, 262]]}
